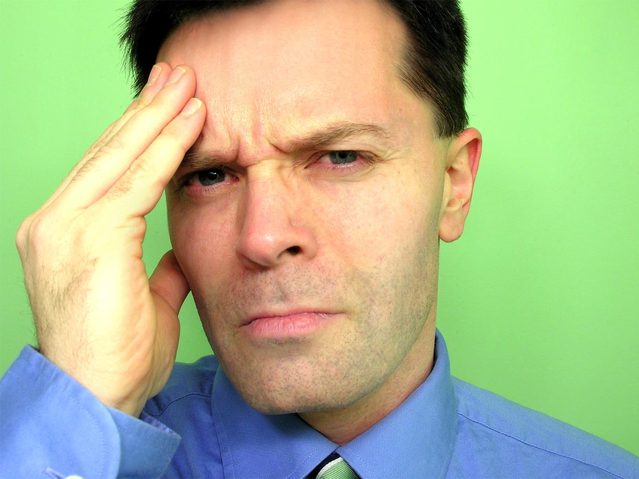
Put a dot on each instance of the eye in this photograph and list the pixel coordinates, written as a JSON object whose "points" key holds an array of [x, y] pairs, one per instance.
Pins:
{"points": [[344, 157], [209, 177], [345, 162]]}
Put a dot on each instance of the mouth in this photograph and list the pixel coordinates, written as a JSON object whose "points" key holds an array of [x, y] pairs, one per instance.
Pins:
{"points": [[287, 325]]}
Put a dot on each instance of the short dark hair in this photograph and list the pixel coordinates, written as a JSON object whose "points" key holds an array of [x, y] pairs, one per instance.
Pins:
{"points": [[433, 66]]}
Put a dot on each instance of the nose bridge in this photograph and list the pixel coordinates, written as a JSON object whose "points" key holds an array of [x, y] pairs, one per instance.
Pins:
{"points": [[272, 229], [265, 197]]}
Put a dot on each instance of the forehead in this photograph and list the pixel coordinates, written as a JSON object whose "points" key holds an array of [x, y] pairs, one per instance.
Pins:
{"points": [[281, 61], [278, 30]]}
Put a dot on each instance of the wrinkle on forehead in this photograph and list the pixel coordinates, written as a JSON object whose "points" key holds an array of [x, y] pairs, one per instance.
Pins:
{"points": [[276, 70]]}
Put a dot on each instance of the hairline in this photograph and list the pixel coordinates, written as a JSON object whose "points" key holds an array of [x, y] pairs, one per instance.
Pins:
{"points": [[406, 68]]}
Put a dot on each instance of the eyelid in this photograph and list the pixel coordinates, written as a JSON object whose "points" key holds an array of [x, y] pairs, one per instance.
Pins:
{"points": [[181, 181], [368, 157], [185, 173]]}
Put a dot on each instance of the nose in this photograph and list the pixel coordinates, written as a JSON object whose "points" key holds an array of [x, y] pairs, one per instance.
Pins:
{"points": [[274, 224]]}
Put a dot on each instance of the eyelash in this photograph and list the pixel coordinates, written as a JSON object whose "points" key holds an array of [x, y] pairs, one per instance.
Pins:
{"points": [[364, 157], [183, 183]]}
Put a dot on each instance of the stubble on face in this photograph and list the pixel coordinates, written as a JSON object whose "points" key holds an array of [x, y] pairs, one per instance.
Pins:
{"points": [[343, 363], [375, 243]]}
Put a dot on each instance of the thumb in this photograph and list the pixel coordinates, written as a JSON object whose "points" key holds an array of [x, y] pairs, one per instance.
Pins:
{"points": [[168, 282]]}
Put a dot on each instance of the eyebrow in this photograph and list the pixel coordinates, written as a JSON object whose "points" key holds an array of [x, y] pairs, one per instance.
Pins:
{"points": [[334, 133], [320, 139]]}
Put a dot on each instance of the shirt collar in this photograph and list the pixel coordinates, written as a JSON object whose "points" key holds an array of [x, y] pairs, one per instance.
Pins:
{"points": [[415, 438], [255, 445]]}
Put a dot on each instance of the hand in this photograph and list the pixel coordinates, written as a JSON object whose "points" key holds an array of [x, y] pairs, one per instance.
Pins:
{"points": [[97, 314]]}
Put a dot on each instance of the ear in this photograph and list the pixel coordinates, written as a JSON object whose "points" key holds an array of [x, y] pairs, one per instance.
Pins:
{"points": [[462, 161]]}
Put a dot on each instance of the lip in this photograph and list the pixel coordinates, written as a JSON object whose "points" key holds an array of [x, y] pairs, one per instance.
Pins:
{"points": [[292, 324]]}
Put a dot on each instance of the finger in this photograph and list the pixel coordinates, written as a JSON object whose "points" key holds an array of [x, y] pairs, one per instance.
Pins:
{"points": [[157, 78], [169, 289], [96, 177], [140, 188], [168, 282]]}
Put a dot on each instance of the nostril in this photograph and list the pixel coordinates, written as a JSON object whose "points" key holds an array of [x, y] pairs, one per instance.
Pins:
{"points": [[294, 250]]}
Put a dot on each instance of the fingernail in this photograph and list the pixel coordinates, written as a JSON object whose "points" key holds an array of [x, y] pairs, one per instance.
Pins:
{"points": [[191, 106], [176, 74], [154, 74]]}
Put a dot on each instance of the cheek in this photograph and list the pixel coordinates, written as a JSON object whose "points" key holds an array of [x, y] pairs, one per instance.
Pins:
{"points": [[395, 217], [200, 237]]}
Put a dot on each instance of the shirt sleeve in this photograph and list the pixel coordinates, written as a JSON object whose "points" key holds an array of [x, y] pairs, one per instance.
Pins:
{"points": [[53, 427]]}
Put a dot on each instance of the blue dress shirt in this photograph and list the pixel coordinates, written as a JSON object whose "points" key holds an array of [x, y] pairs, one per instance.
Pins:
{"points": [[199, 427]]}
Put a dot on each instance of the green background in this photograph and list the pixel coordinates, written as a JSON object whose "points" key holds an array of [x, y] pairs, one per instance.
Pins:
{"points": [[539, 301]]}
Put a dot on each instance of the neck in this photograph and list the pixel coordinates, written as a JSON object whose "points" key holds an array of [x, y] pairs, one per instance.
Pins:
{"points": [[343, 425]]}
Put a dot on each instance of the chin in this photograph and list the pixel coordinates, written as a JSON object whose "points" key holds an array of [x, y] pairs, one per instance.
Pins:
{"points": [[293, 384], [298, 398], [269, 404]]}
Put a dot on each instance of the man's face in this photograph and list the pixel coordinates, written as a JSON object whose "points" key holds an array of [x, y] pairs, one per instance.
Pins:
{"points": [[307, 219]]}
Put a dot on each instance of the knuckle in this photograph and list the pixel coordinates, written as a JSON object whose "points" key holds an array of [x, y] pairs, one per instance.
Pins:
{"points": [[34, 236], [22, 234], [175, 139], [100, 142], [140, 103], [140, 168], [140, 172], [120, 188], [114, 145], [101, 154], [40, 230], [110, 134], [83, 170], [135, 105]]}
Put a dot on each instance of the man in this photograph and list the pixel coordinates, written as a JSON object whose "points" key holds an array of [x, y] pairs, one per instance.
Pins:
{"points": [[310, 173]]}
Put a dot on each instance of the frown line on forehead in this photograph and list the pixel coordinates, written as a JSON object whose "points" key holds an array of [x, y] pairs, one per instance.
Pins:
{"points": [[325, 137]]}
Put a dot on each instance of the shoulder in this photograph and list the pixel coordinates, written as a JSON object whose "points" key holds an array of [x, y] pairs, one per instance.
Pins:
{"points": [[189, 384], [519, 440]]}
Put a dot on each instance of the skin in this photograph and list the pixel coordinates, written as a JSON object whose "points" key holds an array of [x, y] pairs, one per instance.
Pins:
{"points": [[280, 229], [97, 314], [316, 282]]}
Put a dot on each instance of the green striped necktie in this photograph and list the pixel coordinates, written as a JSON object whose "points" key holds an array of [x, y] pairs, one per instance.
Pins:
{"points": [[336, 469]]}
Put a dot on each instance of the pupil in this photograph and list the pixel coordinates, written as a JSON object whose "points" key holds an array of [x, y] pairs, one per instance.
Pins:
{"points": [[210, 177], [343, 157]]}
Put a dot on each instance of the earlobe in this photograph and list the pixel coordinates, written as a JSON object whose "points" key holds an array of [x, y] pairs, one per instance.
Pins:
{"points": [[462, 162]]}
